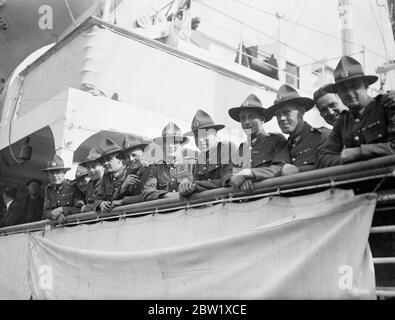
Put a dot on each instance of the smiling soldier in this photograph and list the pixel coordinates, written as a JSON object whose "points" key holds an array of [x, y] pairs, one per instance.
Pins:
{"points": [[363, 132], [61, 197], [304, 141]]}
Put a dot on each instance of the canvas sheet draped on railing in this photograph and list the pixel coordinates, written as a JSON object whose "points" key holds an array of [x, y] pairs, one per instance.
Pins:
{"points": [[312, 247]]}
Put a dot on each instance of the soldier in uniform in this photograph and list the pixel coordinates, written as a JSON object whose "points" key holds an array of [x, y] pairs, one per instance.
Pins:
{"points": [[115, 173], [214, 164], [362, 133], [61, 197], [331, 106], [304, 141], [95, 171], [264, 154], [81, 180], [166, 173], [138, 170]]}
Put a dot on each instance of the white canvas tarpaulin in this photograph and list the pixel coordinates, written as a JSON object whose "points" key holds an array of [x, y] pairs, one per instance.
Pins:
{"points": [[312, 247]]}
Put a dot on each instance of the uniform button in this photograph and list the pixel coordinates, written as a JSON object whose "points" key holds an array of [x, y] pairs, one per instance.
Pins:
{"points": [[294, 145], [305, 162], [356, 138], [380, 135], [250, 148], [209, 179], [293, 159], [172, 179], [311, 130], [357, 120], [204, 168]]}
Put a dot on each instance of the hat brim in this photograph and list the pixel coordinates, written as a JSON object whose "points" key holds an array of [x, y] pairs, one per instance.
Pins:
{"points": [[56, 168], [85, 163], [141, 146], [370, 79], [180, 139], [204, 127], [33, 180], [303, 102], [78, 178], [234, 113]]}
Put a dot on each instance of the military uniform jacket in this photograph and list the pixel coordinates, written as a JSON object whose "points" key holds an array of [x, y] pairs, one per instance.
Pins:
{"points": [[367, 131], [268, 154], [66, 196], [304, 149], [91, 191], [109, 187], [164, 177], [214, 167]]}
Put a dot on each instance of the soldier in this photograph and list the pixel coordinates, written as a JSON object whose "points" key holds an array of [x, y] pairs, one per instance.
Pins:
{"points": [[61, 197], [34, 203], [214, 166], [95, 172], [362, 133], [138, 170], [166, 173], [304, 141], [267, 152], [114, 175], [331, 106], [328, 104], [81, 180]]}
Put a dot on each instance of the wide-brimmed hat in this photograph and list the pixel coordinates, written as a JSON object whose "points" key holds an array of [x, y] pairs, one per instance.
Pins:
{"points": [[33, 180], [93, 156], [202, 120], [56, 163], [287, 95], [108, 147], [80, 173], [252, 103], [130, 143], [171, 131], [349, 69]]}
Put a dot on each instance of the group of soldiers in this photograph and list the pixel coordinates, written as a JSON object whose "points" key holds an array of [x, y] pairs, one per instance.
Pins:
{"points": [[112, 175]]}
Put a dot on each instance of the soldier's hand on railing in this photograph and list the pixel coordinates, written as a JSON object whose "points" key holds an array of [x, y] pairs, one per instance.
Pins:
{"points": [[105, 206], [351, 154], [55, 213], [116, 203], [61, 218], [186, 187], [289, 169], [87, 208], [247, 186], [238, 178]]}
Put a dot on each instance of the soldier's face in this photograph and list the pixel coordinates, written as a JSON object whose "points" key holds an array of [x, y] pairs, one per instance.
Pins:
{"points": [[133, 158], [251, 122], [82, 184], [205, 139], [33, 188], [111, 163], [353, 93], [95, 170], [288, 118], [330, 107], [56, 176]]}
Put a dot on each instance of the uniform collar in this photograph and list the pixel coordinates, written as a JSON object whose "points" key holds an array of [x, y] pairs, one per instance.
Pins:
{"points": [[307, 128], [259, 137]]}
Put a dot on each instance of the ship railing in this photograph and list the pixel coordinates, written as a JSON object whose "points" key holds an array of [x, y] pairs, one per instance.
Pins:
{"points": [[344, 176]]}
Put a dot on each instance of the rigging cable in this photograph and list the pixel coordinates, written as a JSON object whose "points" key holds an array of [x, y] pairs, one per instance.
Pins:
{"points": [[259, 31], [308, 27]]}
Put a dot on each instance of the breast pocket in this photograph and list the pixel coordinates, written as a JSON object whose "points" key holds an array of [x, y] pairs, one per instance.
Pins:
{"points": [[373, 132]]}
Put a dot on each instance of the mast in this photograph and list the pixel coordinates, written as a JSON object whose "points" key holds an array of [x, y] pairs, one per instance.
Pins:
{"points": [[346, 25]]}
